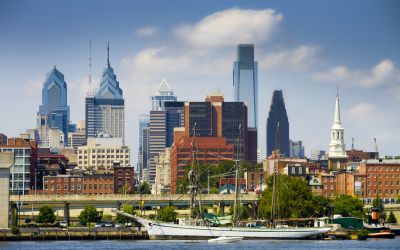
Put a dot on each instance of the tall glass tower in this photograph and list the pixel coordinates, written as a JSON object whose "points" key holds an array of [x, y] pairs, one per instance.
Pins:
{"points": [[105, 111], [245, 81], [54, 111], [278, 118], [164, 94]]}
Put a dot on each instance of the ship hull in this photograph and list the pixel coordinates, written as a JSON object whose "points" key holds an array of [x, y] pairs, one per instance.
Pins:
{"points": [[175, 231]]}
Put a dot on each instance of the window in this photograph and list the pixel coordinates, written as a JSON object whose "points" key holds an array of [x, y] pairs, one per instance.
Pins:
{"points": [[78, 186], [58, 186], [72, 186], [65, 186]]}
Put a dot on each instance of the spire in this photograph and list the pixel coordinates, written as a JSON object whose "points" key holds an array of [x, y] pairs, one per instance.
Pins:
{"points": [[337, 110], [108, 54]]}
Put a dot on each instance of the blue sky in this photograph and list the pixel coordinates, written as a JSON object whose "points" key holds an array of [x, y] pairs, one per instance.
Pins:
{"points": [[305, 48]]}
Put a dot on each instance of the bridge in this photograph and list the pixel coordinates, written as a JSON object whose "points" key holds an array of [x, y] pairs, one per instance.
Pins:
{"points": [[148, 200]]}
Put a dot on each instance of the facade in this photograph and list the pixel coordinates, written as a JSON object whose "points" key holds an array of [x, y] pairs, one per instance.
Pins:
{"points": [[54, 112], [78, 184], [143, 151], [296, 149], [217, 118], [359, 155], [163, 172], [77, 137], [102, 153], [255, 180], [337, 148], [329, 185], [245, 81], [317, 154], [164, 94], [210, 151], [48, 164], [3, 139], [383, 179], [25, 163], [278, 121], [124, 179], [105, 111]]}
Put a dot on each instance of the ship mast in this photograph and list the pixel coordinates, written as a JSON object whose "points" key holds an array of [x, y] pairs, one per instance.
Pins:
{"points": [[275, 198], [237, 171], [193, 178]]}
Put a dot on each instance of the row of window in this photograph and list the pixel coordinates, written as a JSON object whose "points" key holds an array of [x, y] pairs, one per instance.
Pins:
{"points": [[79, 186], [392, 183], [381, 175], [373, 168], [386, 191], [109, 151]]}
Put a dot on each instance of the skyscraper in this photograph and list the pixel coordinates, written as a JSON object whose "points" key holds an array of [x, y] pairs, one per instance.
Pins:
{"points": [[143, 151], [278, 117], [164, 93], [105, 111], [245, 81], [54, 112], [166, 114], [337, 148]]}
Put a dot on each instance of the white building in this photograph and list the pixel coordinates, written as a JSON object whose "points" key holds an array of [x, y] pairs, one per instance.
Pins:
{"points": [[337, 148], [101, 153], [163, 172]]}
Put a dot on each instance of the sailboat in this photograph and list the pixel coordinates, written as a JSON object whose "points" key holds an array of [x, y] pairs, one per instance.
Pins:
{"points": [[197, 228]]}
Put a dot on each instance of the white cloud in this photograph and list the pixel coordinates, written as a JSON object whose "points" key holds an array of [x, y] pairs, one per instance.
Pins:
{"points": [[33, 86], [147, 31], [231, 27], [301, 57], [383, 73], [361, 111]]}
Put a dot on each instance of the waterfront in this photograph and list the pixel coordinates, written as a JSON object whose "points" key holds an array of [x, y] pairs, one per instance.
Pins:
{"points": [[187, 244]]}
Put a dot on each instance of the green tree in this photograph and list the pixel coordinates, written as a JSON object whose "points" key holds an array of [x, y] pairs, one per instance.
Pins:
{"points": [[378, 204], [127, 208], [167, 214], [391, 218], [321, 205], [46, 215], [347, 205], [295, 199], [89, 214], [398, 199], [145, 188]]}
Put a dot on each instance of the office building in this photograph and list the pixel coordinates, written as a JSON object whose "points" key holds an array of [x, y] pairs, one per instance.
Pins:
{"points": [[143, 150], [163, 94], [100, 154], [105, 111], [3, 139], [54, 112], [245, 81], [25, 164], [296, 149], [277, 118], [163, 172]]}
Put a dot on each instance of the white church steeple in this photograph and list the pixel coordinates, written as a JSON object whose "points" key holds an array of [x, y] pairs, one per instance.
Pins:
{"points": [[337, 147]]}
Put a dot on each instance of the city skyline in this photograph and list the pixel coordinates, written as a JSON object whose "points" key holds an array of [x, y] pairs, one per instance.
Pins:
{"points": [[305, 59]]}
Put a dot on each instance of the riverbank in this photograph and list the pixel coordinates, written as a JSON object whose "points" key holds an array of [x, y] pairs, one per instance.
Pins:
{"points": [[49, 234]]}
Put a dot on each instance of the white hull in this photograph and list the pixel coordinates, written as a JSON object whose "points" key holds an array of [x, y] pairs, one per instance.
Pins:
{"points": [[225, 239], [166, 231]]}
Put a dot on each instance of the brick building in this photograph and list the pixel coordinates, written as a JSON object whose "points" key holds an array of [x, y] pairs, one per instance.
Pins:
{"points": [[359, 155], [328, 182], [383, 179], [124, 180], [78, 184], [210, 150]]}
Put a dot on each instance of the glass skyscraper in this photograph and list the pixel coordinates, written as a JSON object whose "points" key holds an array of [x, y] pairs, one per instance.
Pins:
{"points": [[105, 111], [54, 111], [245, 81], [278, 117], [163, 94]]}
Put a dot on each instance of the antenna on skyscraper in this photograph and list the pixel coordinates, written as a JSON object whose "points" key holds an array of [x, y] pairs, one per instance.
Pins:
{"points": [[90, 68], [108, 54], [352, 143]]}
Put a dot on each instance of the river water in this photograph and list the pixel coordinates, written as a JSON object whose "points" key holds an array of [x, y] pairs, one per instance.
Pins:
{"points": [[383, 244]]}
